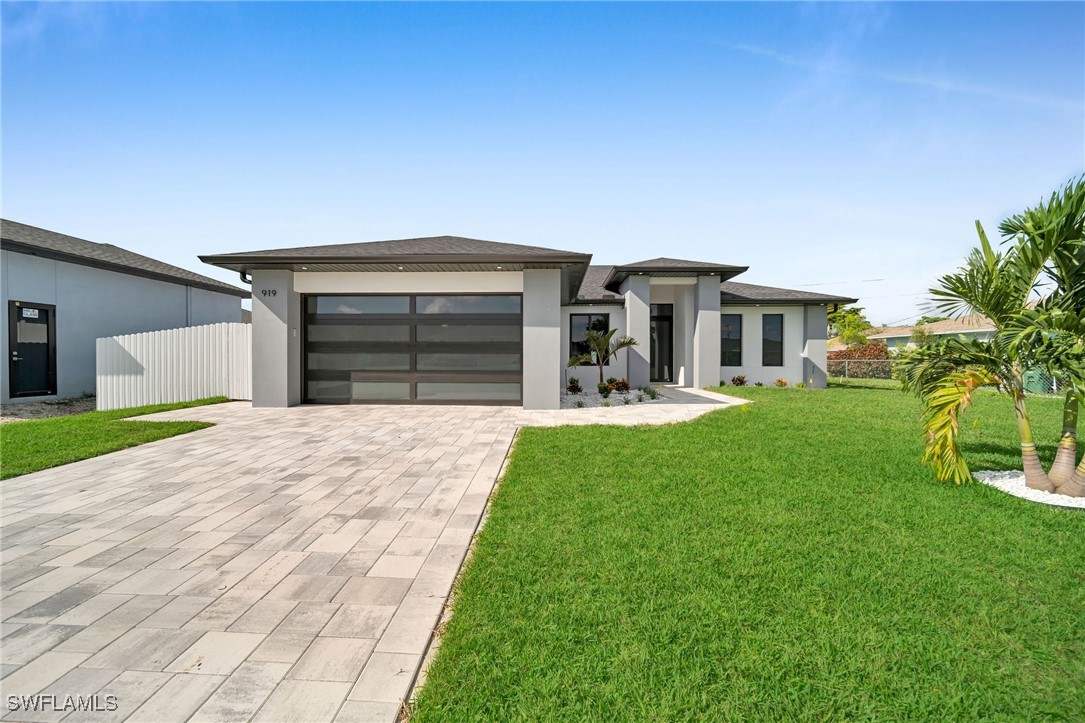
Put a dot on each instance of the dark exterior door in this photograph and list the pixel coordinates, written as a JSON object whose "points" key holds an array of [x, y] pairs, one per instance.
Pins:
{"points": [[662, 344], [32, 358], [413, 349]]}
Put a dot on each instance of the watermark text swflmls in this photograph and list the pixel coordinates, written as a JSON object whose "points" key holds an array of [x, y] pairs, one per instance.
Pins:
{"points": [[48, 702]]}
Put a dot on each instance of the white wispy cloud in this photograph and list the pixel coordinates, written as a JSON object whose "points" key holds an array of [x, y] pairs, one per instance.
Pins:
{"points": [[933, 83]]}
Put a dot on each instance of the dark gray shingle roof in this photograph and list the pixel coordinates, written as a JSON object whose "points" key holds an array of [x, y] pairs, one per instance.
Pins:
{"points": [[21, 238], [592, 289], [427, 246], [667, 263], [737, 293]]}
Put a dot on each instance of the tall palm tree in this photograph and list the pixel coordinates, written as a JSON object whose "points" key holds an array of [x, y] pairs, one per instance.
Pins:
{"points": [[601, 349]]}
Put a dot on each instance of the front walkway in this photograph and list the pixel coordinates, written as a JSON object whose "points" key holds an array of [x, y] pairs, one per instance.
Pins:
{"points": [[286, 564]]}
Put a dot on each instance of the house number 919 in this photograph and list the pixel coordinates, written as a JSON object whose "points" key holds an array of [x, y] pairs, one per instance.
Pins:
{"points": [[268, 292]]}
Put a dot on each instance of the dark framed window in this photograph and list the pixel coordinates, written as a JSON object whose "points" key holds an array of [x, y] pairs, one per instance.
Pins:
{"points": [[731, 340], [579, 325], [772, 340]]}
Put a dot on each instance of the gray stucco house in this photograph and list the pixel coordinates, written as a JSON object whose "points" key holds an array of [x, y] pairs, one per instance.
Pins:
{"points": [[60, 293], [456, 320]]}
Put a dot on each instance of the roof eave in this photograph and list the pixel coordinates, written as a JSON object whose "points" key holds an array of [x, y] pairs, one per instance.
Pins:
{"points": [[618, 274]]}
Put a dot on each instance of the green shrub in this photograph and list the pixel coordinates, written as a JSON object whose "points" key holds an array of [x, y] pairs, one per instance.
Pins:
{"points": [[800, 385], [580, 404], [604, 389], [759, 384], [641, 397], [606, 402]]}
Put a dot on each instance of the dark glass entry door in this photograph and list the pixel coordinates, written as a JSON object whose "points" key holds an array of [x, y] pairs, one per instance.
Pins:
{"points": [[662, 345], [32, 359]]}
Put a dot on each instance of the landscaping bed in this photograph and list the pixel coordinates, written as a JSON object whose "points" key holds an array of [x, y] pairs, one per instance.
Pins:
{"points": [[784, 560]]}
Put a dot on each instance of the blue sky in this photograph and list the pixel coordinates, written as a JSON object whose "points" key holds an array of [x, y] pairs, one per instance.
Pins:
{"points": [[845, 148]]}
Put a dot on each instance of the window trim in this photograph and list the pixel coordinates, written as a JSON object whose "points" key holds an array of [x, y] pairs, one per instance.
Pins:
{"points": [[764, 339], [573, 352], [723, 362]]}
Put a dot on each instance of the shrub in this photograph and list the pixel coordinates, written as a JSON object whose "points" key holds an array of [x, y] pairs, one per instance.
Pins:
{"points": [[650, 391], [580, 404], [758, 384], [626, 400], [781, 382], [604, 389], [611, 380], [800, 385], [739, 380], [875, 353], [641, 397], [618, 385], [573, 387], [606, 402]]}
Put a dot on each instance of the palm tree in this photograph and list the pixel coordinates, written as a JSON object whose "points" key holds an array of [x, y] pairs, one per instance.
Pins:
{"points": [[1047, 246], [601, 349]]}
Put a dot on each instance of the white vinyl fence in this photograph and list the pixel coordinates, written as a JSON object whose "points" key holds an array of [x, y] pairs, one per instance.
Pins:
{"points": [[175, 365]]}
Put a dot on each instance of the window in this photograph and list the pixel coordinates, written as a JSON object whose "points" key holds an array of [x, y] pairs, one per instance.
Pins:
{"points": [[731, 340], [579, 325], [772, 340], [360, 305], [468, 304]]}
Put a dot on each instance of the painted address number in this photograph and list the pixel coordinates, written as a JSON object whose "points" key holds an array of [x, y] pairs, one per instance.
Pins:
{"points": [[268, 292]]}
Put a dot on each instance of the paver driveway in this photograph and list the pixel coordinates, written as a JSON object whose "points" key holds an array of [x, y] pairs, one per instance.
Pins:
{"points": [[287, 564]]}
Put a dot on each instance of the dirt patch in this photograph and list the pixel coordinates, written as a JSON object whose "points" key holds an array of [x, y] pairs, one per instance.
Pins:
{"points": [[44, 410]]}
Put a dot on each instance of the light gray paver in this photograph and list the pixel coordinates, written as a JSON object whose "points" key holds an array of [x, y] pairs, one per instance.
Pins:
{"points": [[267, 566]]}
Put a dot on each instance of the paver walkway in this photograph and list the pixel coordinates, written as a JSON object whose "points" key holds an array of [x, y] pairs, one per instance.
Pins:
{"points": [[286, 564]]}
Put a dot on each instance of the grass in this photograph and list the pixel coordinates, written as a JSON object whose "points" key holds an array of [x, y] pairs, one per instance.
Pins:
{"points": [[39, 444], [786, 560]]}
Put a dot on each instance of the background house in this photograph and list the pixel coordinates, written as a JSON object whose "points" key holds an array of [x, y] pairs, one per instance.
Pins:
{"points": [[60, 293], [975, 326]]}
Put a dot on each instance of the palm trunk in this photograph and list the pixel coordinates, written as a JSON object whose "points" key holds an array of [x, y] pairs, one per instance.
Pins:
{"points": [[1062, 470], [1035, 477], [1075, 486]]}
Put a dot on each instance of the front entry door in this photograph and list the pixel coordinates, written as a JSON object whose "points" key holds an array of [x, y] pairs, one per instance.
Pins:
{"points": [[32, 359], [662, 346]]}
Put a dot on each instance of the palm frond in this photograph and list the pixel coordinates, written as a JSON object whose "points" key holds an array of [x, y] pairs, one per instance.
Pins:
{"points": [[946, 401]]}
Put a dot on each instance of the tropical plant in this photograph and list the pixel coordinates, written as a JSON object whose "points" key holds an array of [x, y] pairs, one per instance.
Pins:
{"points": [[739, 380], [618, 385], [781, 382], [1046, 246], [573, 387], [848, 323], [601, 348]]}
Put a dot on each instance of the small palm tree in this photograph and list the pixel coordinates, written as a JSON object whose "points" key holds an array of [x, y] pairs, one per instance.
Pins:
{"points": [[1047, 242], [601, 349]]}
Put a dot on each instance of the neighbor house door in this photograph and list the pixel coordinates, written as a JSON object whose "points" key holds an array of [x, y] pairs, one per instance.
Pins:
{"points": [[32, 360]]}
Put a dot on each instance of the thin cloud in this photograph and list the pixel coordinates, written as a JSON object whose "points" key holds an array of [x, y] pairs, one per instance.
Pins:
{"points": [[944, 85]]}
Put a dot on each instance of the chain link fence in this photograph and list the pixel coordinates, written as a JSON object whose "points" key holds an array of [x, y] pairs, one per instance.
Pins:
{"points": [[1037, 381], [860, 368]]}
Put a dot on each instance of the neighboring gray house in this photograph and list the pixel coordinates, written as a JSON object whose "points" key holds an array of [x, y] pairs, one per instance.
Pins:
{"points": [[60, 293], [454, 320]]}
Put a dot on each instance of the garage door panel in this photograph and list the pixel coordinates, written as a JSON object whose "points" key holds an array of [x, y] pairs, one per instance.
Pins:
{"points": [[427, 349]]}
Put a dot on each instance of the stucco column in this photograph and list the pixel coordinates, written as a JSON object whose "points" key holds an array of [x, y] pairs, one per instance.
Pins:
{"points": [[638, 324], [276, 339], [543, 361], [706, 333], [815, 345]]}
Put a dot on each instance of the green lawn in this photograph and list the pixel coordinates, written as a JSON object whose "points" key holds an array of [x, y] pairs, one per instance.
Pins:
{"points": [[43, 443], [787, 560]]}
